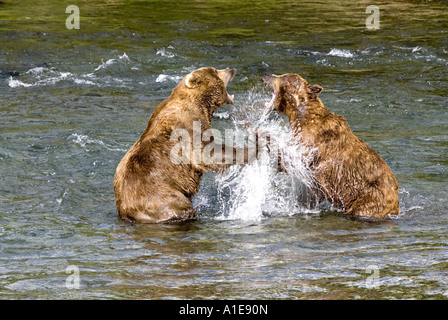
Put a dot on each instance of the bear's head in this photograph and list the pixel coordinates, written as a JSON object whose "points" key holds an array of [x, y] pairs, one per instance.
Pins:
{"points": [[290, 92], [209, 86]]}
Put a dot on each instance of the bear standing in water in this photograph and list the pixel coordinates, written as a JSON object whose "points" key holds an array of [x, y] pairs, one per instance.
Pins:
{"points": [[348, 173], [151, 185]]}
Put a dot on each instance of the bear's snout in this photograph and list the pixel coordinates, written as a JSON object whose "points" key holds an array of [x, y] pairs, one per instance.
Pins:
{"points": [[267, 77], [226, 75], [268, 80]]}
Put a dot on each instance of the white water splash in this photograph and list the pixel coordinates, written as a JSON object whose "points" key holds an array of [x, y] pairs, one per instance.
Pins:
{"points": [[109, 62], [258, 190], [42, 76], [341, 53], [14, 83], [221, 115], [248, 191], [164, 77], [104, 65]]}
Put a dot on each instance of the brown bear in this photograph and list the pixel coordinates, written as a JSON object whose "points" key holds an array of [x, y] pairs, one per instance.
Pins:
{"points": [[348, 173], [153, 182]]}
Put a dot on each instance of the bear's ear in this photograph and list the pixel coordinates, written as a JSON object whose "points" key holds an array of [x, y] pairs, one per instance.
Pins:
{"points": [[315, 89], [191, 80]]}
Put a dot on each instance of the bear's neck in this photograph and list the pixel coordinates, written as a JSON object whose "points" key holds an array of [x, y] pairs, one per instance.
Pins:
{"points": [[207, 108], [199, 104], [305, 112]]}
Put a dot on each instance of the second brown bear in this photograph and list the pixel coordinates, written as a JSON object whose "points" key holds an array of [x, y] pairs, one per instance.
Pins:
{"points": [[348, 173]]}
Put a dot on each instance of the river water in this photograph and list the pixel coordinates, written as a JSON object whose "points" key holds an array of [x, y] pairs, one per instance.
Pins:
{"points": [[73, 101]]}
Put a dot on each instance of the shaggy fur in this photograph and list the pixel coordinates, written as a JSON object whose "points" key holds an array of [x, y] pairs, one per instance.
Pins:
{"points": [[349, 174]]}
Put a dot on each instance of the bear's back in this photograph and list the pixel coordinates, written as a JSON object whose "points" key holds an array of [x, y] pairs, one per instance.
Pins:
{"points": [[351, 173]]}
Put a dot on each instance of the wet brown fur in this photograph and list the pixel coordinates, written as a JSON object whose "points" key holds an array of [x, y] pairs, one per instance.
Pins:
{"points": [[350, 174], [148, 186]]}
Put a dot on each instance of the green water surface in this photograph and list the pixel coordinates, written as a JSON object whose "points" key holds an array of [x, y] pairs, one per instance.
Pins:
{"points": [[72, 102]]}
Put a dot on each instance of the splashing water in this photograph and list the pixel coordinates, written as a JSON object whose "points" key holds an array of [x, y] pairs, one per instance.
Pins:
{"points": [[259, 190]]}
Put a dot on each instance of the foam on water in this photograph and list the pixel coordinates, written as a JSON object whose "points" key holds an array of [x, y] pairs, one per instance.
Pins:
{"points": [[85, 141], [165, 53]]}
